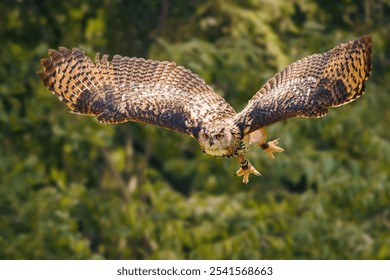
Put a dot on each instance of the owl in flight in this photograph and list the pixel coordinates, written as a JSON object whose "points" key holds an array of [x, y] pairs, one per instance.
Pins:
{"points": [[163, 94]]}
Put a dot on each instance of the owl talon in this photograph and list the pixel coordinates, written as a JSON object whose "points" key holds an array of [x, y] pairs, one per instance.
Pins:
{"points": [[246, 171], [272, 147]]}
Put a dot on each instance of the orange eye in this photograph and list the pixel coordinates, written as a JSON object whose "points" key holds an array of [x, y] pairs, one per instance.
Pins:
{"points": [[219, 136], [205, 136]]}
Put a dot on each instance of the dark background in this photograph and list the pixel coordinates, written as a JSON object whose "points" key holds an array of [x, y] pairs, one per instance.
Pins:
{"points": [[71, 188]]}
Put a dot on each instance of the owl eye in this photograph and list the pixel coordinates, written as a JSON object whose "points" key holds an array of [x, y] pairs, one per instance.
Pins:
{"points": [[205, 136], [219, 136]]}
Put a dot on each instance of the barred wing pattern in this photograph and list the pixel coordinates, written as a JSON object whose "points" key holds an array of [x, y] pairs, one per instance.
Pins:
{"points": [[132, 89], [308, 87]]}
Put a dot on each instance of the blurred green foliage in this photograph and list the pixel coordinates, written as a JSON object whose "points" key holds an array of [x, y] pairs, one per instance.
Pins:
{"points": [[71, 188]]}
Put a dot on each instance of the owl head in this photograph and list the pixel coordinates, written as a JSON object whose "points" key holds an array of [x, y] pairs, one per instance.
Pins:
{"points": [[217, 141]]}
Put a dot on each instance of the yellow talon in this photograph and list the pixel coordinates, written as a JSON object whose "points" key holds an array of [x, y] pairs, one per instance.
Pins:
{"points": [[272, 147], [246, 171]]}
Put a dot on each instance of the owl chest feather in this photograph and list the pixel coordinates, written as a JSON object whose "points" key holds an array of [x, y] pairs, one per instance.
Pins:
{"points": [[238, 146]]}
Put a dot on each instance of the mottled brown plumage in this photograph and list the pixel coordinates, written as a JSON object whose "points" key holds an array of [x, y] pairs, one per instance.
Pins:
{"points": [[308, 87], [170, 96]]}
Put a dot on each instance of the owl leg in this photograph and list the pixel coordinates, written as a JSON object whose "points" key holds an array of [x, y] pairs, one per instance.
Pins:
{"points": [[270, 147], [246, 169]]}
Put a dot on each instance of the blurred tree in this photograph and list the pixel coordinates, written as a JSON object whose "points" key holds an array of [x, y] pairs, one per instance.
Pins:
{"points": [[71, 188]]}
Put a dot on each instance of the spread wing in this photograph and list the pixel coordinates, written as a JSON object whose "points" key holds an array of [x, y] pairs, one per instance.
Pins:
{"points": [[132, 89], [308, 87]]}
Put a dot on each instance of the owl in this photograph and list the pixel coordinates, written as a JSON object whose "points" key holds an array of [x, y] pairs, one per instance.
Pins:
{"points": [[170, 96]]}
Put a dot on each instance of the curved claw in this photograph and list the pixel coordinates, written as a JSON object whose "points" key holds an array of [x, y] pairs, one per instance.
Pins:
{"points": [[246, 172]]}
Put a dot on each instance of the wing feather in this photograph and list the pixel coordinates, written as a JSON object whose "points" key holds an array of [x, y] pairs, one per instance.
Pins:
{"points": [[132, 89], [308, 87]]}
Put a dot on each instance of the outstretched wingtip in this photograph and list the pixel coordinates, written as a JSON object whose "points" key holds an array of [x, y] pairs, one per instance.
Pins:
{"points": [[363, 37], [42, 75], [367, 38], [51, 51], [62, 48], [46, 63], [365, 42]]}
